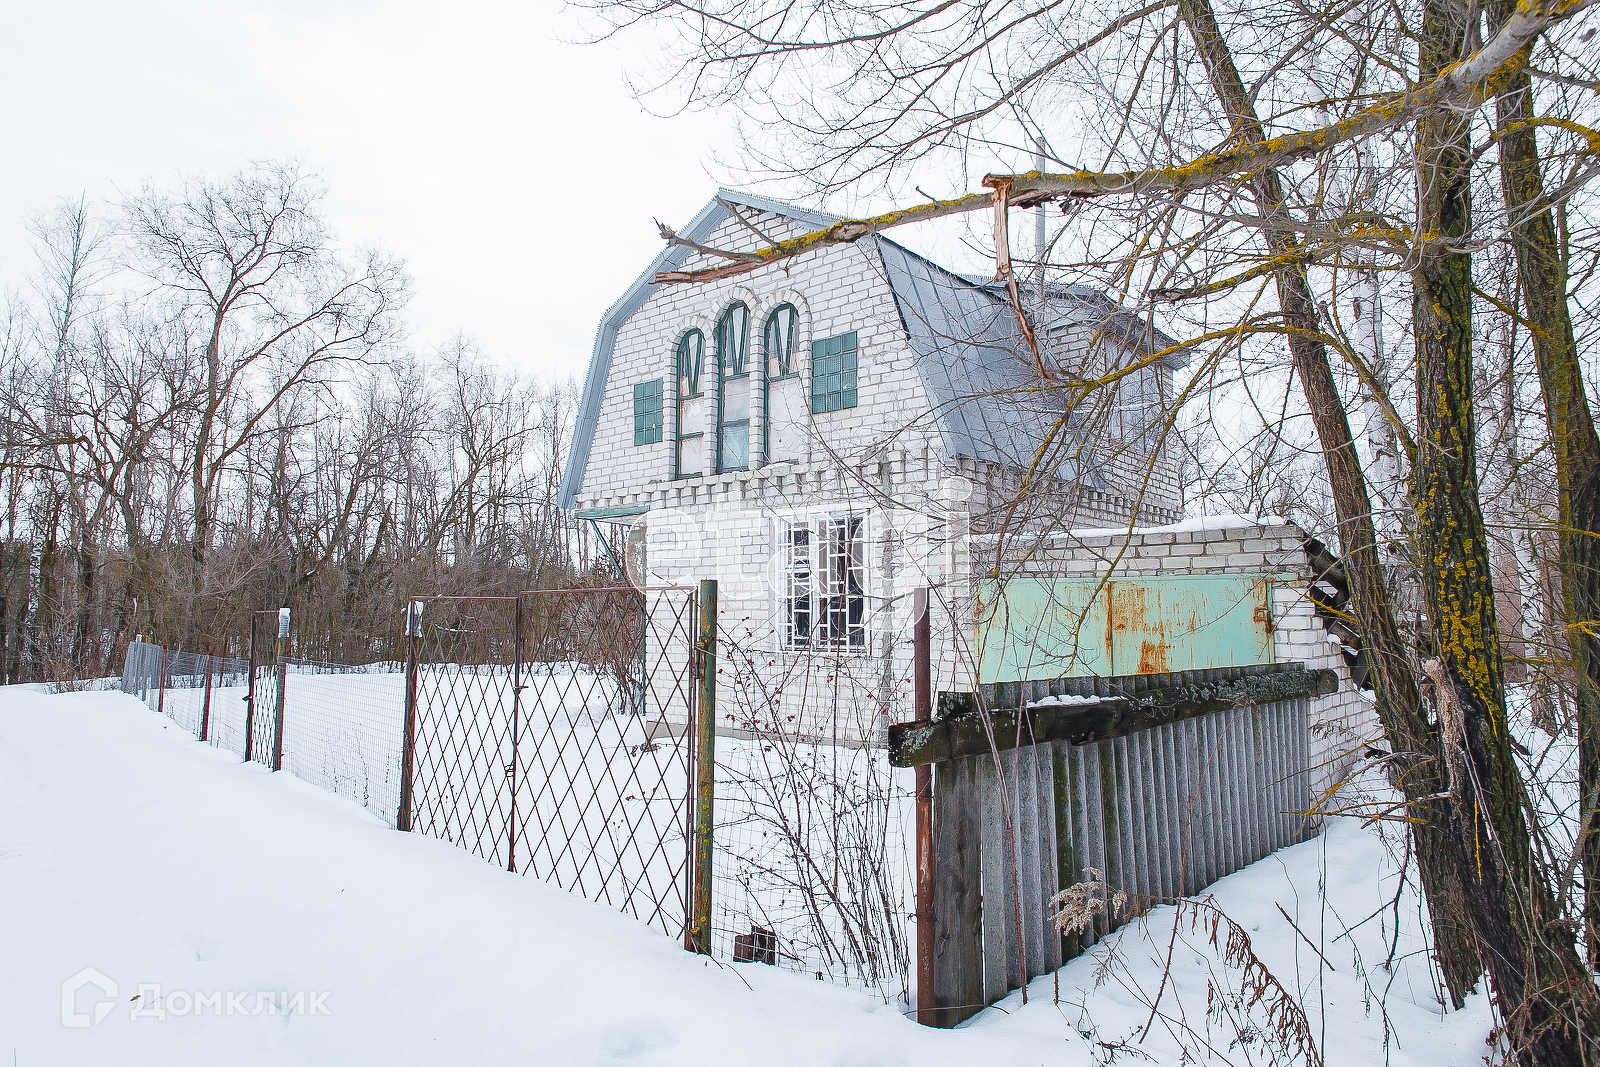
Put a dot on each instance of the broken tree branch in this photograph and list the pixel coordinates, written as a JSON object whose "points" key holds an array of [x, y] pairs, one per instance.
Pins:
{"points": [[1461, 86]]}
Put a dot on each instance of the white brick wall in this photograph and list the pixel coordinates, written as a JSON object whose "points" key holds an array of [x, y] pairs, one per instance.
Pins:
{"points": [[883, 458], [836, 290]]}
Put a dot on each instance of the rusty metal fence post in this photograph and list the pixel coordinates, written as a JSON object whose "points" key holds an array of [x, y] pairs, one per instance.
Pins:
{"points": [[922, 695], [409, 742], [161, 680], [705, 742], [281, 649]]}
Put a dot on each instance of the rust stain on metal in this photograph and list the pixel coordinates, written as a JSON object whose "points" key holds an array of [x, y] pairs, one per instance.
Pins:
{"points": [[1153, 657], [1261, 589], [1129, 613], [1126, 607]]}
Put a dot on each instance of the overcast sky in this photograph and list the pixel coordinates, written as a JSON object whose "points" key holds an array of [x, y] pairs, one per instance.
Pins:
{"points": [[512, 171]]}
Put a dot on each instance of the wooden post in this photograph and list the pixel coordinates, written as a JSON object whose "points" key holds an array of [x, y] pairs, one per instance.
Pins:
{"points": [[205, 707], [705, 768], [282, 652], [922, 691], [408, 743]]}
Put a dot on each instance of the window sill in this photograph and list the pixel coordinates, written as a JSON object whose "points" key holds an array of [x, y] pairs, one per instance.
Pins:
{"points": [[810, 651]]}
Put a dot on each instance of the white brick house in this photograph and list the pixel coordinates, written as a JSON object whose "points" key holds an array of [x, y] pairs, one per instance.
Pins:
{"points": [[826, 434]]}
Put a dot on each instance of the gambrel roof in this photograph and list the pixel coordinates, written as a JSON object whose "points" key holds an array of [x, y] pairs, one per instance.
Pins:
{"points": [[967, 345]]}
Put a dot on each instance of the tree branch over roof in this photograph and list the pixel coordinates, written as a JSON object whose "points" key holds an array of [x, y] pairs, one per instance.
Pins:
{"points": [[1461, 86]]}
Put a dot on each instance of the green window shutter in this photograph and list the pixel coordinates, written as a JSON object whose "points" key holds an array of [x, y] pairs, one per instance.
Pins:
{"points": [[647, 412], [833, 373]]}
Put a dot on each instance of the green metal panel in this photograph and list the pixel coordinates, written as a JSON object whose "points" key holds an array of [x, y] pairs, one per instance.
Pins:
{"points": [[1074, 627]]}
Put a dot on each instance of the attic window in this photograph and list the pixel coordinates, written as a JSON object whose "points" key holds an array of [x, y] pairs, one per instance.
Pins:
{"points": [[780, 341], [733, 340], [691, 358], [833, 373]]}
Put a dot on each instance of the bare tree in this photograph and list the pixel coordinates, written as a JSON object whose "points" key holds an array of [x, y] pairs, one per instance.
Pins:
{"points": [[245, 262], [1218, 132]]}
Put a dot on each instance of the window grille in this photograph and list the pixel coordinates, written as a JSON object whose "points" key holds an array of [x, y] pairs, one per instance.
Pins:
{"points": [[799, 594], [780, 341], [833, 373], [691, 357], [647, 412], [825, 598]]}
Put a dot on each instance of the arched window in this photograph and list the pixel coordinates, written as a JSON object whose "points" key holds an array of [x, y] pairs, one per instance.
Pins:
{"points": [[691, 358], [733, 389], [780, 341], [733, 340]]}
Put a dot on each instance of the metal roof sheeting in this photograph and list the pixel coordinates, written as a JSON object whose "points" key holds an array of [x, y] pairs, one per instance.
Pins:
{"points": [[964, 336], [975, 365]]}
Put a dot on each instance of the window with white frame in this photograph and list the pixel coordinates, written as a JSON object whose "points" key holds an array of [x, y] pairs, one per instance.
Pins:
{"points": [[824, 595]]}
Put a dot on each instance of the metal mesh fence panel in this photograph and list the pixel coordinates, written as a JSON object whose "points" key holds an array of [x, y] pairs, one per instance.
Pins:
{"points": [[197, 691], [229, 709], [341, 723], [342, 730], [465, 684], [602, 791], [551, 738]]}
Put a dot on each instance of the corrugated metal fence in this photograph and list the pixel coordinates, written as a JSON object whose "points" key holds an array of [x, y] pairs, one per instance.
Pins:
{"points": [[1161, 811]]}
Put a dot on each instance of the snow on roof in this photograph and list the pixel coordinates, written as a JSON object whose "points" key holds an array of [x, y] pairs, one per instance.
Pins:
{"points": [[1189, 525]]}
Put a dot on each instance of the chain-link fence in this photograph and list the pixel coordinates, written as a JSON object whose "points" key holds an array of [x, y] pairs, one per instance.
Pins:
{"points": [[551, 737], [342, 730], [200, 693], [554, 733]]}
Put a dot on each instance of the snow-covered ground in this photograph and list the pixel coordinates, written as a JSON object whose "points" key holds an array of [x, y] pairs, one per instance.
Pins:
{"points": [[286, 925]]}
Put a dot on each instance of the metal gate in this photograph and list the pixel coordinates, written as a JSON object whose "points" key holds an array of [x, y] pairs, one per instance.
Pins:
{"points": [[549, 732], [263, 718]]}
